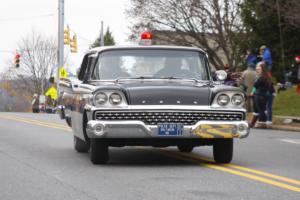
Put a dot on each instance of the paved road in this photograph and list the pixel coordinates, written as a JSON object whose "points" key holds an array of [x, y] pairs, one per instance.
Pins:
{"points": [[37, 161]]}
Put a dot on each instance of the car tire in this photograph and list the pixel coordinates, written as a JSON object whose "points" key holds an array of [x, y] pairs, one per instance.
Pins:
{"points": [[99, 151], [185, 148], [80, 145], [223, 150]]}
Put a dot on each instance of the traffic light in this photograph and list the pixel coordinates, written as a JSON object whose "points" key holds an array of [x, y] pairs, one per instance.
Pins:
{"points": [[73, 44], [67, 36], [51, 79], [17, 60]]}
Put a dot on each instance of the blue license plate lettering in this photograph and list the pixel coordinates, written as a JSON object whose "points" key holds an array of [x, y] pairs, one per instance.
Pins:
{"points": [[170, 129]]}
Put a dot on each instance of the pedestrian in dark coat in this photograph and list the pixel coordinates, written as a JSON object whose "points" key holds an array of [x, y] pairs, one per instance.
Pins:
{"points": [[263, 87], [251, 58], [35, 104]]}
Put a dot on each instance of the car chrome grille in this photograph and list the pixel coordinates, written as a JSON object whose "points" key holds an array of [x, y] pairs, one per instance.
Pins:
{"points": [[155, 117]]}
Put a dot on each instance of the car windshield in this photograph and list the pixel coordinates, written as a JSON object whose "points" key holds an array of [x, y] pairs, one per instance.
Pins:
{"points": [[150, 63]]}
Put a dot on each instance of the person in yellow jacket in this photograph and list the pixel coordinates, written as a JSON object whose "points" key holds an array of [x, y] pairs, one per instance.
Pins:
{"points": [[51, 98]]}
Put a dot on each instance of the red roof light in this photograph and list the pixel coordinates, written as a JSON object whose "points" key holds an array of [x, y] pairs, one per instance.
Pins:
{"points": [[146, 35]]}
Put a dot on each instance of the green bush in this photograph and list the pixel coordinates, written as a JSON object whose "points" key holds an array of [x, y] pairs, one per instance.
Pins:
{"points": [[287, 103]]}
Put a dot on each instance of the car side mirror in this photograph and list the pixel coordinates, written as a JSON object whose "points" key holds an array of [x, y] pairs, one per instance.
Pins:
{"points": [[221, 75], [78, 72], [86, 77]]}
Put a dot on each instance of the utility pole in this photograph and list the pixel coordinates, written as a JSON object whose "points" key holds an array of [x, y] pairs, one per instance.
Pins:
{"points": [[60, 53], [280, 34], [101, 35]]}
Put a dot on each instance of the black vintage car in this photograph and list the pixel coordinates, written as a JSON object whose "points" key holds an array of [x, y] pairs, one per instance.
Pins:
{"points": [[153, 96]]}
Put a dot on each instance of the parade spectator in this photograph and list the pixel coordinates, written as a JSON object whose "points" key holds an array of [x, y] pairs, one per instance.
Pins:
{"points": [[269, 107], [246, 83], [251, 58], [229, 79], [266, 57], [297, 71], [35, 104], [261, 90]]}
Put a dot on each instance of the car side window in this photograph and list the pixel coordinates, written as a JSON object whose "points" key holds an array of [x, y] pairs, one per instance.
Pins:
{"points": [[83, 67]]}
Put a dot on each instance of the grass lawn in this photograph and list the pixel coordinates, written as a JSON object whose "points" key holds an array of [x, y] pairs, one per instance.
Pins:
{"points": [[287, 103]]}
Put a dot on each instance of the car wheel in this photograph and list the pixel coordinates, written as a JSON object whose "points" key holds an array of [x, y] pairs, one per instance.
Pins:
{"points": [[80, 145], [223, 150], [99, 151], [185, 148]]}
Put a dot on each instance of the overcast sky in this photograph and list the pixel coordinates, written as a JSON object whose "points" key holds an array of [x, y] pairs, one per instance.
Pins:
{"points": [[19, 18]]}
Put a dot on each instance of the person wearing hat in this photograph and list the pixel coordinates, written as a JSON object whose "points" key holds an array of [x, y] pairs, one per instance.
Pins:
{"points": [[251, 58], [266, 57]]}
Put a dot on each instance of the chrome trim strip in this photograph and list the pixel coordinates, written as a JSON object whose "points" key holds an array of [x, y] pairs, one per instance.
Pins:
{"points": [[165, 107], [138, 129]]}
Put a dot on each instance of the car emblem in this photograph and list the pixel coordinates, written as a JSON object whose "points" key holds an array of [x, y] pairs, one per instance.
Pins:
{"points": [[143, 101], [195, 102], [178, 102], [161, 101]]}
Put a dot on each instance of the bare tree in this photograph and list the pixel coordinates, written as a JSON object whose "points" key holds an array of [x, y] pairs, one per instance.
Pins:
{"points": [[214, 25], [38, 62], [290, 11], [13, 98]]}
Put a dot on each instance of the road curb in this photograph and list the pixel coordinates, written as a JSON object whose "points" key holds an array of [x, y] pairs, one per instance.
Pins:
{"points": [[285, 128]]}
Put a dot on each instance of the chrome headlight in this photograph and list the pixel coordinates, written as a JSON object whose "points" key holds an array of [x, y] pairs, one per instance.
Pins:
{"points": [[223, 99], [115, 99], [237, 100], [100, 99]]}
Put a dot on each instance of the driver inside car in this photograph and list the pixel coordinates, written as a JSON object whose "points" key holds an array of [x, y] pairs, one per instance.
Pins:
{"points": [[110, 68], [173, 67]]}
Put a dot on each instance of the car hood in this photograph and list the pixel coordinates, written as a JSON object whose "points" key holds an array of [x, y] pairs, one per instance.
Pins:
{"points": [[164, 93]]}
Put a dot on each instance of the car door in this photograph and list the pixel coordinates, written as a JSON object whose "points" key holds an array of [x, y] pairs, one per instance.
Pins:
{"points": [[79, 91]]}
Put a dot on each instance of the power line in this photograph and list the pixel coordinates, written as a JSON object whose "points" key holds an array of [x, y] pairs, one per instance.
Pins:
{"points": [[79, 36], [26, 18], [26, 50], [6, 51]]}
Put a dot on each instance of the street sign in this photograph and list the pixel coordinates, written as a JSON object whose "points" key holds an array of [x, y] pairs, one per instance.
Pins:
{"points": [[63, 73]]}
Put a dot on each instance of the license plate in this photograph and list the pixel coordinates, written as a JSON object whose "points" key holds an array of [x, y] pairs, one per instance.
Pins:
{"points": [[170, 129]]}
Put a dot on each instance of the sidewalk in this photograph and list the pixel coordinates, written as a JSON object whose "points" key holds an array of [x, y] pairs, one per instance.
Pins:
{"points": [[286, 128], [293, 126], [278, 123]]}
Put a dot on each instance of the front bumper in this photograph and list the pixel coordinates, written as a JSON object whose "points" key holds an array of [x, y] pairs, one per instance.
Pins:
{"points": [[138, 129]]}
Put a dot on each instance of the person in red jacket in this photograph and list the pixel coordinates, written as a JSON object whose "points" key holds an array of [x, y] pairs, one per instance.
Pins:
{"points": [[297, 70]]}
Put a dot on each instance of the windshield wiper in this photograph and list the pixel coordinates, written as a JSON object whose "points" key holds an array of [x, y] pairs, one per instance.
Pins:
{"points": [[153, 77], [182, 78], [204, 82], [138, 77]]}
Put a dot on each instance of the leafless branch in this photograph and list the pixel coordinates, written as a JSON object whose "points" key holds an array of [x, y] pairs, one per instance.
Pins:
{"points": [[213, 25]]}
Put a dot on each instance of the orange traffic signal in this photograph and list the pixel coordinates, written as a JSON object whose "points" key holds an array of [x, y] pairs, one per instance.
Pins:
{"points": [[73, 44], [67, 36]]}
